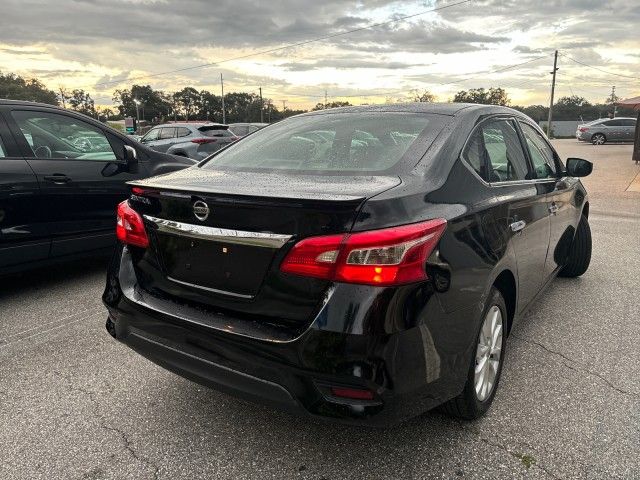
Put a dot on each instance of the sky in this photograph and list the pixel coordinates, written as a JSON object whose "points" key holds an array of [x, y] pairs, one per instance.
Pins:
{"points": [[101, 45]]}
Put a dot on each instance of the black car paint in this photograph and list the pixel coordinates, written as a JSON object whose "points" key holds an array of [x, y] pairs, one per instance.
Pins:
{"points": [[43, 220], [412, 345]]}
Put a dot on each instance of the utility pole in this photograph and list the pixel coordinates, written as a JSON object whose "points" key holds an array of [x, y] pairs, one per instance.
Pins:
{"points": [[553, 89], [261, 107], [613, 99], [284, 106], [325, 98], [224, 115]]}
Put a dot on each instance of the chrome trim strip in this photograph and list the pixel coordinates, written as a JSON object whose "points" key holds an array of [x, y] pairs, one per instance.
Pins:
{"points": [[214, 290], [238, 237]]}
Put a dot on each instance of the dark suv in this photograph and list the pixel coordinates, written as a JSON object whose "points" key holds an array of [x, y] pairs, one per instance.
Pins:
{"points": [[62, 174]]}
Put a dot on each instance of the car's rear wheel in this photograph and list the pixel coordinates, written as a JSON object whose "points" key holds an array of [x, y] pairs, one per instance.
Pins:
{"points": [[598, 139], [580, 252], [486, 364]]}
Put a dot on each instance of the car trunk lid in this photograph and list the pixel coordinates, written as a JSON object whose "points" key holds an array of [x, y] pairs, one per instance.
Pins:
{"points": [[218, 237]]}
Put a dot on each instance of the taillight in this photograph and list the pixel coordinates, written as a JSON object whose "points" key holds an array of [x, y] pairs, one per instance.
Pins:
{"points": [[391, 256], [583, 129], [130, 226], [200, 141]]}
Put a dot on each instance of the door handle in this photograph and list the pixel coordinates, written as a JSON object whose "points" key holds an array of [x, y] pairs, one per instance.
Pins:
{"points": [[58, 178], [553, 208], [518, 226]]}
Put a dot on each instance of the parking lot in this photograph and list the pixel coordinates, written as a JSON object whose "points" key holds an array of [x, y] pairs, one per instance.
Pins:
{"points": [[74, 403]]}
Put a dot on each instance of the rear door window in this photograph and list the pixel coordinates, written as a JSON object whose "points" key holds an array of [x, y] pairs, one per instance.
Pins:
{"points": [[3, 151], [494, 151], [166, 133], [541, 153], [337, 142]]}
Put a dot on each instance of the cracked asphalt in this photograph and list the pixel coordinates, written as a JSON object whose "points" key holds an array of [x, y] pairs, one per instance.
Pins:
{"points": [[74, 403]]}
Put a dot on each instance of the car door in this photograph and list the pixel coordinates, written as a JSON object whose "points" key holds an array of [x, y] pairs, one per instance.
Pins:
{"points": [[23, 234], [150, 138], [80, 176], [628, 129], [522, 202], [611, 130], [547, 170], [166, 138]]}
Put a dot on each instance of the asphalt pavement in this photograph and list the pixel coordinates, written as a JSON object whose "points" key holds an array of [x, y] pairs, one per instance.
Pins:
{"points": [[74, 403]]}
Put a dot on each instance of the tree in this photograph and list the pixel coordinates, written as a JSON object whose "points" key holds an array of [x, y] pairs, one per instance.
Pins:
{"points": [[105, 114], [336, 104], [493, 96], [187, 101], [16, 87], [424, 97], [81, 101], [210, 106], [153, 104]]}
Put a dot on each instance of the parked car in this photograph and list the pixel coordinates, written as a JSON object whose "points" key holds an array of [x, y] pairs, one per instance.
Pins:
{"points": [[599, 132], [193, 140], [363, 264], [62, 174], [242, 129]]}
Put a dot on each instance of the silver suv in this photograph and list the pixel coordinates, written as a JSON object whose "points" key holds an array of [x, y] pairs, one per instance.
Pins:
{"points": [[599, 132], [193, 140]]}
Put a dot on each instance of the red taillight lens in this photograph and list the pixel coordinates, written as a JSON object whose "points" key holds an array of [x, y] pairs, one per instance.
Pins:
{"points": [[200, 141], [352, 393], [584, 129], [391, 256], [130, 227]]}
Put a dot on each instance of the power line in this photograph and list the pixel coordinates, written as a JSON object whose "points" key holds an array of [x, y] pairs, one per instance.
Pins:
{"points": [[404, 90], [598, 68], [284, 47]]}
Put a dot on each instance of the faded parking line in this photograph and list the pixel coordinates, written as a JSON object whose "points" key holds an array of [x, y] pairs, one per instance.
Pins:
{"points": [[59, 323]]}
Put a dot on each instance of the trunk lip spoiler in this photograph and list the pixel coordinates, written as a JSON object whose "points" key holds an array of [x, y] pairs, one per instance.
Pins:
{"points": [[203, 232]]}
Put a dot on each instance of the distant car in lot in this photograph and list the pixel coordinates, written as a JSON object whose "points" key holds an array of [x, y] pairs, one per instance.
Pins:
{"points": [[363, 264], [242, 129], [62, 174], [599, 132], [193, 140]]}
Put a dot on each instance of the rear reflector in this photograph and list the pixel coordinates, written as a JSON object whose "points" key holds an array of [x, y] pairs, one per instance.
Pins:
{"points": [[352, 393], [130, 226], [391, 256]]}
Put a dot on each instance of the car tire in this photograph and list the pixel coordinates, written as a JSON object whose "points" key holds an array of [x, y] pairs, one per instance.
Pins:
{"points": [[470, 404], [598, 139], [579, 256]]}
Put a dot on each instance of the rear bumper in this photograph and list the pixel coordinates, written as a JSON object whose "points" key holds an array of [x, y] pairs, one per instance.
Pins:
{"points": [[410, 371]]}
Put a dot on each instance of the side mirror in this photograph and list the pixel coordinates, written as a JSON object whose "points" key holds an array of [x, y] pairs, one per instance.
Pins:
{"points": [[577, 167], [131, 158]]}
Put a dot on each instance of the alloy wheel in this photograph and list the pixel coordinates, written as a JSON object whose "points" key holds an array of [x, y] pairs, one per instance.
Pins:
{"points": [[488, 353], [598, 139]]}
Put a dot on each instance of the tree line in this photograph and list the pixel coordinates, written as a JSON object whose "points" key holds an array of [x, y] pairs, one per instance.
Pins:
{"points": [[190, 104]]}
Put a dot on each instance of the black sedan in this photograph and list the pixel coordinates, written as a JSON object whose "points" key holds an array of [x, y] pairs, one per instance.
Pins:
{"points": [[365, 264], [62, 174]]}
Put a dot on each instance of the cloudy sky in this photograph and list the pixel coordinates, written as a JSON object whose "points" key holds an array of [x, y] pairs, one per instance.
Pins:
{"points": [[101, 45]]}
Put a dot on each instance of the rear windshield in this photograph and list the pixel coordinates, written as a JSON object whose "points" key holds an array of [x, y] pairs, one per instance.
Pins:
{"points": [[215, 131], [338, 142]]}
